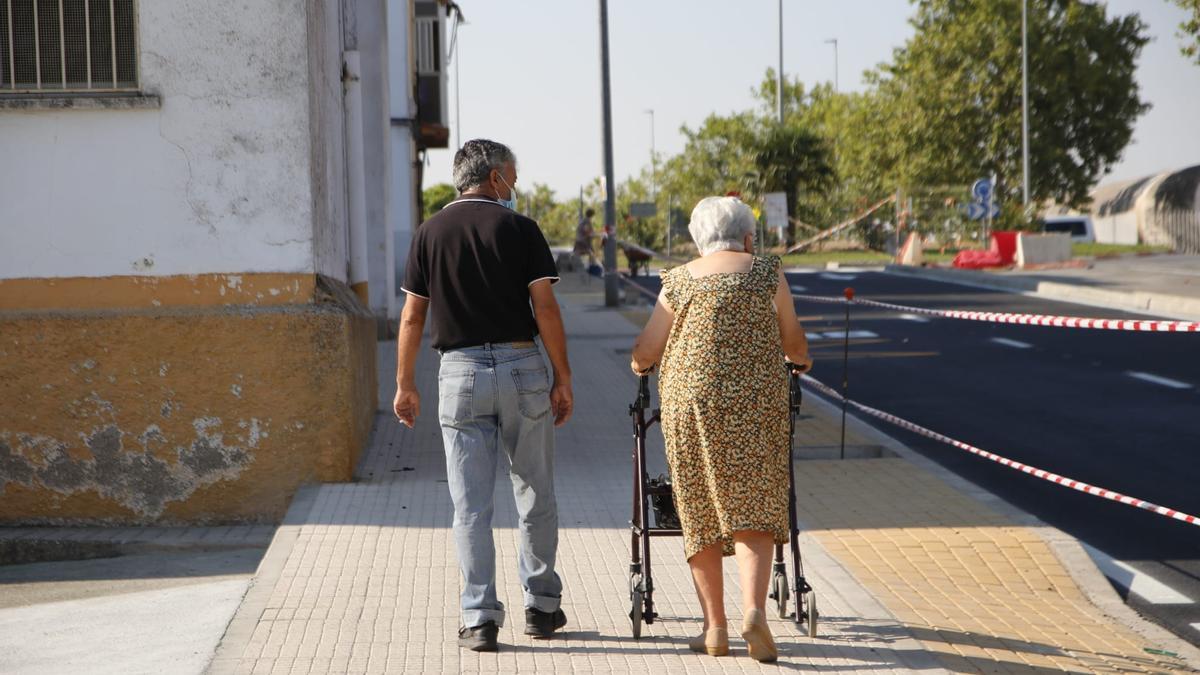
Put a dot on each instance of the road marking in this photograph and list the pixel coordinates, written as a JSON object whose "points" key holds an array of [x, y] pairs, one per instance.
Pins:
{"points": [[1152, 590], [854, 334], [1196, 626], [914, 317], [838, 277], [1011, 343], [1166, 382], [797, 289]]}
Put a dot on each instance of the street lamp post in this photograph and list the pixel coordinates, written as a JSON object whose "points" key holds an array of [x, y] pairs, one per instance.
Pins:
{"points": [[611, 294], [653, 159], [1025, 104], [779, 73], [835, 63]]}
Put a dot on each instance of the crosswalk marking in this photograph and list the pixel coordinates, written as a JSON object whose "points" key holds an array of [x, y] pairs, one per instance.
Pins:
{"points": [[1156, 379], [841, 334], [1011, 343]]}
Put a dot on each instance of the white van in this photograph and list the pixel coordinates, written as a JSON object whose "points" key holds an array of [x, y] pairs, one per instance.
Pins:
{"points": [[1080, 228]]}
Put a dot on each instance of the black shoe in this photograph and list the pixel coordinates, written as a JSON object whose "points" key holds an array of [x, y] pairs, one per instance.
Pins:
{"points": [[541, 624], [481, 638]]}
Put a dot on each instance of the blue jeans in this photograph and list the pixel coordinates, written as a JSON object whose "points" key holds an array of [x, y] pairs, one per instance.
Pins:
{"points": [[494, 398]]}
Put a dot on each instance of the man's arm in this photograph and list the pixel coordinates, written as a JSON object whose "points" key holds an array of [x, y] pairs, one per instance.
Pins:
{"points": [[407, 403], [554, 338]]}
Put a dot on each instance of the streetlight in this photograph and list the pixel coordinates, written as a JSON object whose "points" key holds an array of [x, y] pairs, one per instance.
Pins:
{"points": [[653, 158], [779, 73], [611, 290], [1025, 104], [835, 63]]}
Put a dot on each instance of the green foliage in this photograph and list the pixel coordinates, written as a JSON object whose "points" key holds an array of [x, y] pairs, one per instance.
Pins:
{"points": [[1190, 29], [951, 98], [749, 153], [437, 196]]}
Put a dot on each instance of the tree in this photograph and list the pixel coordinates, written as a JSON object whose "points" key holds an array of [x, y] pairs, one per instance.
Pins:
{"points": [[951, 98], [437, 196], [1191, 29], [748, 153], [791, 158]]}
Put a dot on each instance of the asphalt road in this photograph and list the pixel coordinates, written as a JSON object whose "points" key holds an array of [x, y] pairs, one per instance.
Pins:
{"points": [[1064, 400]]}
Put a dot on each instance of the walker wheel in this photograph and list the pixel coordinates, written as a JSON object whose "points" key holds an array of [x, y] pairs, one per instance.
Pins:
{"points": [[779, 591], [810, 606], [635, 614]]}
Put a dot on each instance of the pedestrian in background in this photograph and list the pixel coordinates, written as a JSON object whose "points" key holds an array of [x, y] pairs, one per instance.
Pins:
{"points": [[484, 272]]}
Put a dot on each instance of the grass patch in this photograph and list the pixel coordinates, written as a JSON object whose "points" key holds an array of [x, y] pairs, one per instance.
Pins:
{"points": [[1113, 250]]}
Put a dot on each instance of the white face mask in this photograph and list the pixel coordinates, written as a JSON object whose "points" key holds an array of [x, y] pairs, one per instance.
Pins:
{"points": [[511, 202]]}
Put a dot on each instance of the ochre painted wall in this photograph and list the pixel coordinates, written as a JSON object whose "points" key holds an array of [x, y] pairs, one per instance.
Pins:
{"points": [[207, 413]]}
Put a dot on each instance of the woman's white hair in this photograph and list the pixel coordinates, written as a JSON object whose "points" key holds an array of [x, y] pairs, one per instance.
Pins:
{"points": [[720, 224]]}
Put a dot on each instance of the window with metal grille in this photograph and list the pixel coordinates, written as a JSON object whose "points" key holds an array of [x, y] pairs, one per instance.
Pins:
{"points": [[51, 46]]}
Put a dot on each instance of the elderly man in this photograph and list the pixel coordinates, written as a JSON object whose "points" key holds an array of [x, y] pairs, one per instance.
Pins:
{"points": [[485, 272]]}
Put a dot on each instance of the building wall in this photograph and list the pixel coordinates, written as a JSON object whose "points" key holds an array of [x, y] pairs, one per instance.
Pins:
{"points": [[180, 344], [330, 221], [373, 45], [405, 184], [180, 416], [214, 181]]}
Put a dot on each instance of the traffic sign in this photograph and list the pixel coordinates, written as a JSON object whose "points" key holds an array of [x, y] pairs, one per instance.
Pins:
{"points": [[775, 204], [982, 190], [977, 211]]}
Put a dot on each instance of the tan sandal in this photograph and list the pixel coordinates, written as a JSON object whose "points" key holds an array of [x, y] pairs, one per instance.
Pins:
{"points": [[759, 641], [714, 642]]}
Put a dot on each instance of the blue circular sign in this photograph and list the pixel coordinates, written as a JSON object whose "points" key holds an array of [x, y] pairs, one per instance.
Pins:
{"points": [[982, 190]]}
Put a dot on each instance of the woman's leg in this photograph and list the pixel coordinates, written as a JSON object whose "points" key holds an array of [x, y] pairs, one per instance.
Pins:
{"points": [[754, 551], [706, 574]]}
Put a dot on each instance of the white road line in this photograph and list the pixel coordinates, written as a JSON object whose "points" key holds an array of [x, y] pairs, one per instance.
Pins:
{"points": [[1196, 626], [854, 334], [1011, 343], [914, 317], [1152, 590], [798, 289], [814, 336], [838, 277], [1166, 382]]}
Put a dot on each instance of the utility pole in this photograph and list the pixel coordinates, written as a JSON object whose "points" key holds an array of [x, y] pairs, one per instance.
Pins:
{"points": [[835, 63], [779, 73], [653, 159], [611, 294], [1025, 103]]}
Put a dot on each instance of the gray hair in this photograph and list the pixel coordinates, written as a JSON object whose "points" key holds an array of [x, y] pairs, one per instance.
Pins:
{"points": [[474, 161], [720, 224]]}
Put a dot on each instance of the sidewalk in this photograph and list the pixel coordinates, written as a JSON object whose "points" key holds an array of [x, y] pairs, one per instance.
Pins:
{"points": [[913, 569]]}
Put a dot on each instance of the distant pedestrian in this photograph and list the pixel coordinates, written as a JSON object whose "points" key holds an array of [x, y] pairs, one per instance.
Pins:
{"points": [[485, 271], [584, 232]]}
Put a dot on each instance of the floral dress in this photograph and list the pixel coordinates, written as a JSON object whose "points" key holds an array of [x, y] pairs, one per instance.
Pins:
{"points": [[724, 392]]}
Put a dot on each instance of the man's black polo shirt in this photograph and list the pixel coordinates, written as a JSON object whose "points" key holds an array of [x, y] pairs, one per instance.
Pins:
{"points": [[474, 261]]}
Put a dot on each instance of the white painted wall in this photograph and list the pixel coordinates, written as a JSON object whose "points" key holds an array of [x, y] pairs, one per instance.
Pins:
{"points": [[373, 48], [218, 180], [330, 222], [403, 109]]}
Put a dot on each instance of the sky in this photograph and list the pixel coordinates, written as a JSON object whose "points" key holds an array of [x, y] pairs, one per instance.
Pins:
{"points": [[530, 76]]}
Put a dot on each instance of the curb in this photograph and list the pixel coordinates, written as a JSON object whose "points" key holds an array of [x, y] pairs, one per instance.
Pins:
{"points": [[1070, 553], [1139, 302], [241, 627]]}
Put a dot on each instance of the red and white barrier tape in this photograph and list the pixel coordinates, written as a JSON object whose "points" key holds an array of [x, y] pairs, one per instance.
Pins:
{"points": [[1012, 464], [1152, 326]]}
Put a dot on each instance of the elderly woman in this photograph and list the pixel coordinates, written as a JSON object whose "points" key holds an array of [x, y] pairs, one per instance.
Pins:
{"points": [[719, 333]]}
